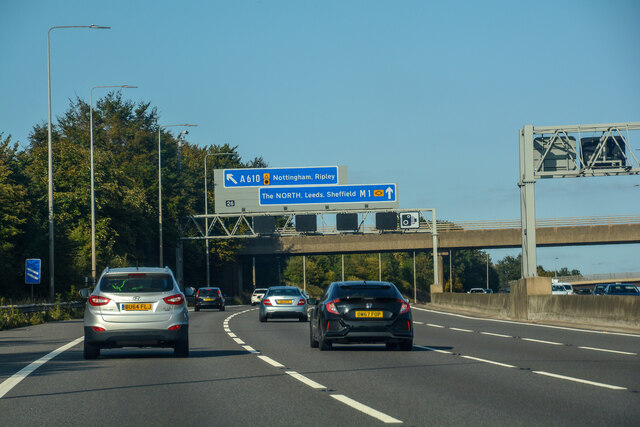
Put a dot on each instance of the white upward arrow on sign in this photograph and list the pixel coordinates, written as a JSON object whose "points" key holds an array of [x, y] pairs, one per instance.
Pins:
{"points": [[389, 192]]}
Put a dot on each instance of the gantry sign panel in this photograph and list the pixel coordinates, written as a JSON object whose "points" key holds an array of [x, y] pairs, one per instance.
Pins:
{"points": [[572, 151], [302, 189], [583, 150]]}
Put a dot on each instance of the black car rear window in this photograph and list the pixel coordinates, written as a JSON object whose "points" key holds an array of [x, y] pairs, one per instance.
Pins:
{"points": [[284, 293], [208, 293], [136, 282], [366, 291]]}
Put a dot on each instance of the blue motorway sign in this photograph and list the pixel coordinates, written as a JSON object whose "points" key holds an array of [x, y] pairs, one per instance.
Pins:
{"points": [[32, 272], [364, 193], [240, 178]]}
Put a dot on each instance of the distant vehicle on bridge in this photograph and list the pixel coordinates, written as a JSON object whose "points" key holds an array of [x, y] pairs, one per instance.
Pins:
{"points": [[479, 291], [620, 289]]}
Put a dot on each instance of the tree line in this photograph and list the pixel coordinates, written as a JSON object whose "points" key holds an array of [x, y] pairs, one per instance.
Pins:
{"points": [[126, 204], [126, 194]]}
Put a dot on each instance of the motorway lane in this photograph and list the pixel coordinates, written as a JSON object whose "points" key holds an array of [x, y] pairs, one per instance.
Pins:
{"points": [[447, 388], [224, 383], [607, 358], [220, 383]]}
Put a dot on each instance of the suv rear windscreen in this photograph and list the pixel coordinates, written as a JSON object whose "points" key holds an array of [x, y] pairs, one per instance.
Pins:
{"points": [[136, 282]]}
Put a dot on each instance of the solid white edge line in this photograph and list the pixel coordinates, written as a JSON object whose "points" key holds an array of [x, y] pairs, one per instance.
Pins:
{"points": [[271, 362], [622, 334], [609, 351], [12, 381], [461, 330], [366, 409], [541, 341], [306, 380], [496, 335], [578, 380], [504, 365]]}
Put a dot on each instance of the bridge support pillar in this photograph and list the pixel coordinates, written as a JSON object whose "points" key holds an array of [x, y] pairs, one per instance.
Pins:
{"points": [[520, 292]]}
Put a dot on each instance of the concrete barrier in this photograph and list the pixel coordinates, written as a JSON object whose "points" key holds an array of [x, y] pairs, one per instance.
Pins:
{"points": [[531, 300], [603, 310], [482, 304]]}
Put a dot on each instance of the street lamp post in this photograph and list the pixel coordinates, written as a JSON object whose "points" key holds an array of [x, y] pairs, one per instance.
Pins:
{"points": [[206, 210], [50, 151], [160, 127], [93, 199]]}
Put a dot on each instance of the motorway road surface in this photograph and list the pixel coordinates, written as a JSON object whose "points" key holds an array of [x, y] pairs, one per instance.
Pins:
{"points": [[462, 371]]}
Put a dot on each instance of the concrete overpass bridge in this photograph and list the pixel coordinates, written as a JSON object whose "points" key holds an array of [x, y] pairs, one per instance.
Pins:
{"points": [[458, 235]]}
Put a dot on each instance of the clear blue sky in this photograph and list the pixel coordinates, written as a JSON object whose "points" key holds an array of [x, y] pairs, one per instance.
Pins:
{"points": [[427, 94]]}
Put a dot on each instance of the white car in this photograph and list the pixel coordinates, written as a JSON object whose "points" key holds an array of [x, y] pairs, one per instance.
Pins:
{"points": [[257, 295], [479, 291], [557, 289]]}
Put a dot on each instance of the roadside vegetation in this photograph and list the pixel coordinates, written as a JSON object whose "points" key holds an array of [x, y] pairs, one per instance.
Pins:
{"points": [[12, 317]]}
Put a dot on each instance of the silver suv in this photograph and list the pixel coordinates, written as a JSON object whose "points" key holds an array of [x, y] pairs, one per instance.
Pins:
{"points": [[136, 307]]}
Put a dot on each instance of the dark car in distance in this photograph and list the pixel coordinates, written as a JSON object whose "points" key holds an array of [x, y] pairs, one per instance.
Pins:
{"points": [[361, 312], [209, 298], [621, 289]]}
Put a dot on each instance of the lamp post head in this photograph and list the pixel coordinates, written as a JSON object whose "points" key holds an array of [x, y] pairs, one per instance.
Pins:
{"points": [[99, 27]]}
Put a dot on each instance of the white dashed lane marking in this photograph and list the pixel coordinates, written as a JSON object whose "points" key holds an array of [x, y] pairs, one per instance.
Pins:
{"points": [[309, 382]]}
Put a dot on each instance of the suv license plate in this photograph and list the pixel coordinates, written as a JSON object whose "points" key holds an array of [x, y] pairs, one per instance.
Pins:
{"points": [[136, 307], [369, 314]]}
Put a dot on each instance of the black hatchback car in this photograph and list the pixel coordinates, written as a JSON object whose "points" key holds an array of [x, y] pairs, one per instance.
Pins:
{"points": [[209, 298], [361, 312]]}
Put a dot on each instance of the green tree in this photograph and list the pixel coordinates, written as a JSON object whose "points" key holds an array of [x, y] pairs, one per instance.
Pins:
{"points": [[14, 208]]}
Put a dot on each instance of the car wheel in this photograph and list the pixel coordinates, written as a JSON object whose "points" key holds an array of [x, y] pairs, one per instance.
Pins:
{"points": [[197, 308], [91, 351], [312, 341], [222, 308], [391, 345], [323, 343], [303, 318], [406, 345], [253, 304], [262, 317], [181, 349]]}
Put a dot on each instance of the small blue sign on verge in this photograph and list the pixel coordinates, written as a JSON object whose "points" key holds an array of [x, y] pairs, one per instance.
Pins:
{"points": [[33, 271]]}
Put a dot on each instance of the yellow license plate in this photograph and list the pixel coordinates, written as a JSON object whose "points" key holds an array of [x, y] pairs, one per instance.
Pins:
{"points": [[136, 307], [208, 299], [284, 301], [369, 314]]}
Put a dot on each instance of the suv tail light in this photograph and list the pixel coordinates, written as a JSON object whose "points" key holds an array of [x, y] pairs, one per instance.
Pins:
{"points": [[176, 299], [405, 306], [96, 300], [331, 306], [302, 301]]}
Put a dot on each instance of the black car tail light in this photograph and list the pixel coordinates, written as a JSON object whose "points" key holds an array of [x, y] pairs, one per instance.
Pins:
{"points": [[405, 306], [331, 306]]}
